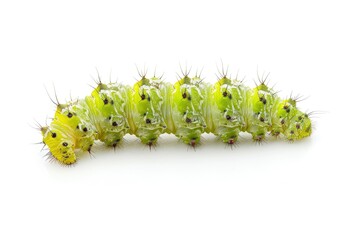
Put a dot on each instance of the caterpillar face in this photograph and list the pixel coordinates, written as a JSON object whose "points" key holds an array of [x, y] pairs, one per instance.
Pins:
{"points": [[61, 147], [61, 135], [186, 109]]}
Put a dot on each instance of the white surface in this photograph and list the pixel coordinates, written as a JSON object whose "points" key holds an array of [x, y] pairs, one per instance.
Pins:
{"points": [[305, 190]]}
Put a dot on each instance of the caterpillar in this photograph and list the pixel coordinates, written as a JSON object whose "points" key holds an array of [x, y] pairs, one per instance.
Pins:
{"points": [[188, 108]]}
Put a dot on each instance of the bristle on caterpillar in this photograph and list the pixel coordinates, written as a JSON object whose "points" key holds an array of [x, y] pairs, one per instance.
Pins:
{"points": [[188, 108]]}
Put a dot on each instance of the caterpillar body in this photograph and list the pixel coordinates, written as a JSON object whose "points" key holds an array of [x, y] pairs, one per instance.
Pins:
{"points": [[186, 109]]}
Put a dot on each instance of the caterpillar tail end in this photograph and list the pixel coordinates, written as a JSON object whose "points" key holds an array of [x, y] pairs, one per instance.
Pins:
{"points": [[300, 127]]}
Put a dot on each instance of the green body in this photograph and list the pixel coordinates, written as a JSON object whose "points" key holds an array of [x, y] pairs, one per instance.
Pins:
{"points": [[186, 109]]}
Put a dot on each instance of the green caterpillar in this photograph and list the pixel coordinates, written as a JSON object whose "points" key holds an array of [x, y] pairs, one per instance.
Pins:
{"points": [[187, 109]]}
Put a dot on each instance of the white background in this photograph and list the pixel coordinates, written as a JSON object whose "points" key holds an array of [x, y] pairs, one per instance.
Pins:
{"points": [[305, 190]]}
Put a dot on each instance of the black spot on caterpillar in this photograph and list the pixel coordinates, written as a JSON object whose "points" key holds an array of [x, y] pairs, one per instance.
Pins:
{"points": [[186, 109]]}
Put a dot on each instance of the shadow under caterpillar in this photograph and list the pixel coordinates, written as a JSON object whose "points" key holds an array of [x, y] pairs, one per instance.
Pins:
{"points": [[186, 109]]}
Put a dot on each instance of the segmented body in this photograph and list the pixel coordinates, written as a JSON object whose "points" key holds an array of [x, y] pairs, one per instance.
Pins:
{"points": [[186, 109]]}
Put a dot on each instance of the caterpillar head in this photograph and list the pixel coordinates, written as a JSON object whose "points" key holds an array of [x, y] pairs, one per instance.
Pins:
{"points": [[60, 145], [68, 132]]}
